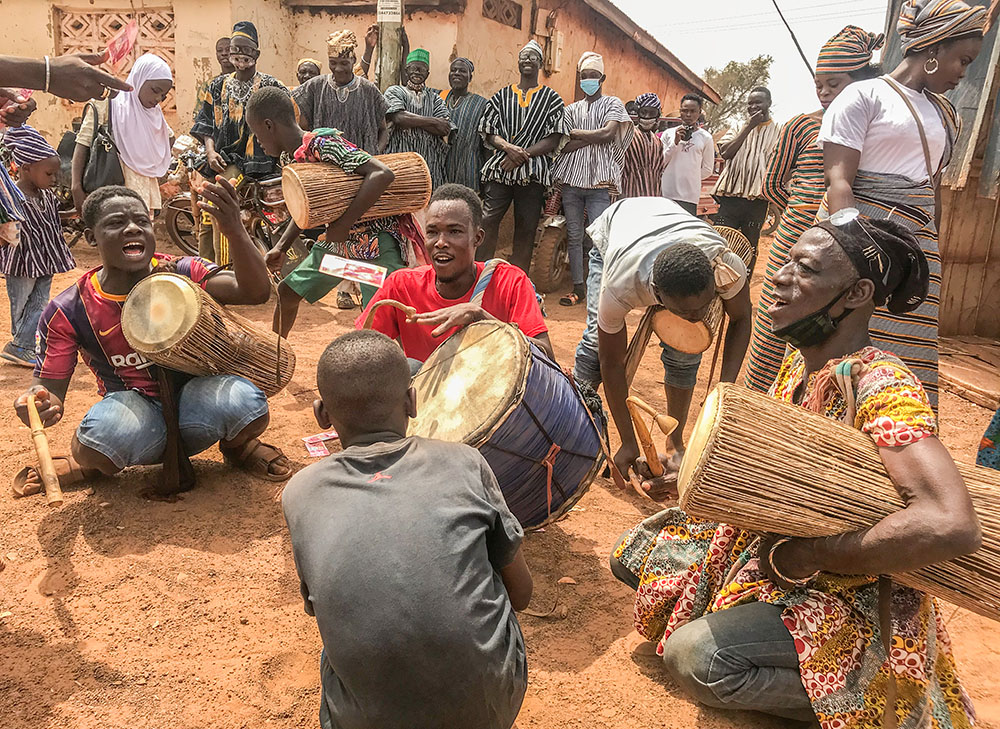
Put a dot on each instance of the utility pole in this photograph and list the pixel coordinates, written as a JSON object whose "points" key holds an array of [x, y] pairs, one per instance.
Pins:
{"points": [[390, 42]]}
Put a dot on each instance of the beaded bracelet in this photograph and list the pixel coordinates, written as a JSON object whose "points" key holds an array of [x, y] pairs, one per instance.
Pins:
{"points": [[48, 73]]}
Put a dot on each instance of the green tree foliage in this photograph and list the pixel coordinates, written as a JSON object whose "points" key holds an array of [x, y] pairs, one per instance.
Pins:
{"points": [[733, 82]]}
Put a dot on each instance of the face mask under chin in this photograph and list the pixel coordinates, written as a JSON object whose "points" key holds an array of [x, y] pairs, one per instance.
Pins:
{"points": [[814, 329]]}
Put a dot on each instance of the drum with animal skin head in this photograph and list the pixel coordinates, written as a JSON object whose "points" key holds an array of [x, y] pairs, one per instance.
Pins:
{"points": [[489, 387]]}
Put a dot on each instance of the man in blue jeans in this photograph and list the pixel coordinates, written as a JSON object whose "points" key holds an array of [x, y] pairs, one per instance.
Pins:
{"points": [[590, 165], [649, 252], [126, 427]]}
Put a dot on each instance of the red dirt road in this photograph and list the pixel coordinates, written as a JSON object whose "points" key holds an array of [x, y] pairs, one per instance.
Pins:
{"points": [[121, 613]]}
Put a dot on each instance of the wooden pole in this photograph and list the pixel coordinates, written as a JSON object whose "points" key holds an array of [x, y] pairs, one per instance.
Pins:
{"points": [[390, 42]]}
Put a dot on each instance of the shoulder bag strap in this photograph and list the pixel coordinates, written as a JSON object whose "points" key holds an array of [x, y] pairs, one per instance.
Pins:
{"points": [[920, 127]]}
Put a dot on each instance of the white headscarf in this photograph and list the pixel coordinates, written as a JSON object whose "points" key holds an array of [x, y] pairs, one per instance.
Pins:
{"points": [[142, 135], [591, 61]]}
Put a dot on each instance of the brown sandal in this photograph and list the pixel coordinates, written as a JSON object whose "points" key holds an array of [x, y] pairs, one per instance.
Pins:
{"points": [[256, 458], [74, 475], [570, 299]]}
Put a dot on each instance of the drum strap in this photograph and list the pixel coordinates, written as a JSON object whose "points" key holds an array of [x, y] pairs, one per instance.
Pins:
{"points": [[479, 290], [889, 720]]}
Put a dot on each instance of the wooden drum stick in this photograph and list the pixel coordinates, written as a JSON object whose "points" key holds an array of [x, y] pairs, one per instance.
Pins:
{"points": [[410, 311], [46, 469]]}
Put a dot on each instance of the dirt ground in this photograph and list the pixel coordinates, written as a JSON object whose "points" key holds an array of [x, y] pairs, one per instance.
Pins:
{"points": [[118, 612]]}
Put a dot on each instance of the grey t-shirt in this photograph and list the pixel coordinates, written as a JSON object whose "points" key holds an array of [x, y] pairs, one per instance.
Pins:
{"points": [[630, 235], [398, 546]]}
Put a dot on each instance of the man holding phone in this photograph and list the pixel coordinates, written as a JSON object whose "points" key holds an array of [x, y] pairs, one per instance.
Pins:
{"points": [[689, 152], [739, 190]]}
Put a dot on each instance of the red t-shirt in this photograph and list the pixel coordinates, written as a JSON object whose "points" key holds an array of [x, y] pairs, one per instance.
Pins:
{"points": [[510, 297]]}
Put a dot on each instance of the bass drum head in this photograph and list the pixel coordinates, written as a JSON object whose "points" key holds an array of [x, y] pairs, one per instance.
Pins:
{"points": [[160, 311], [296, 200], [470, 383], [689, 337], [699, 442]]}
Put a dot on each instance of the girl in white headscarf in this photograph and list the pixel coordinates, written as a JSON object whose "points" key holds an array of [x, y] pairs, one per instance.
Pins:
{"points": [[139, 128]]}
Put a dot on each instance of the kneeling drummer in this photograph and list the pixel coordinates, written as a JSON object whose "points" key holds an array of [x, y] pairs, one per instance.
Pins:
{"points": [[126, 427]]}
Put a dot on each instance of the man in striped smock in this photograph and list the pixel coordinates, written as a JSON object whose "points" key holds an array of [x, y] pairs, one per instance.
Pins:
{"points": [[523, 124], [590, 166], [740, 189], [642, 171]]}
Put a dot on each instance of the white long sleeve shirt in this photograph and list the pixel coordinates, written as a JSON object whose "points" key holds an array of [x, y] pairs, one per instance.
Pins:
{"points": [[688, 163]]}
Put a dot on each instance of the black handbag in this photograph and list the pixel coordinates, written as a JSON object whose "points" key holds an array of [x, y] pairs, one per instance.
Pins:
{"points": [[104, 167]]}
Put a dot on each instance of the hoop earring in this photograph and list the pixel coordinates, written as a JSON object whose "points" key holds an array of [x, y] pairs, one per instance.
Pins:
{"points": [[931, 71]]}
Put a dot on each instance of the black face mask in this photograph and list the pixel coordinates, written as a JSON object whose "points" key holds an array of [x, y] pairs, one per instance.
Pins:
{"points": [[813, 330]]}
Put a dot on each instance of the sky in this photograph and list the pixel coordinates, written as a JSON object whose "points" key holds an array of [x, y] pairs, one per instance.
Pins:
{"points": [[707, 33]]}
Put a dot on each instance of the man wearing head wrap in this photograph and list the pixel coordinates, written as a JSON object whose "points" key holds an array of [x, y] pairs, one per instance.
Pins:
{"points": [[795, 183], [642, 168], [740, 189], [29, 263], [648, 251], [523, 125], [307, 68], [689, 153], [466, 153], [230, 148], [885, 142], [343, 100], [589, 167], [419, 117], [799, 621]]}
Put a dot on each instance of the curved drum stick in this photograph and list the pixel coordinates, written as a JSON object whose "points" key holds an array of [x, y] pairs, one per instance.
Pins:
{"points": [[666, 424], [410, 311], [46, 469]]}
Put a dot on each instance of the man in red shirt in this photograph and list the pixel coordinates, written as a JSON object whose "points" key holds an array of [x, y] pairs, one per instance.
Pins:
{"points": [[442, 293], [126, 427]]}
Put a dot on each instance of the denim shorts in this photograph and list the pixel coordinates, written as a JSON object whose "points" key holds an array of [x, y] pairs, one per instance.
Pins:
{"points": [[127, 427], [680, 369]]}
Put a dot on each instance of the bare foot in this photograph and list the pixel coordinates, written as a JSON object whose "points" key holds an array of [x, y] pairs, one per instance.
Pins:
{"points": [[29, 481]]}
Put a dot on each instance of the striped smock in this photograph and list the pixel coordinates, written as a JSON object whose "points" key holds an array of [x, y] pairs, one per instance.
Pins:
{"points": [[596, 166], [523, 118], [42, 250], [798, 159], [642, 171]]}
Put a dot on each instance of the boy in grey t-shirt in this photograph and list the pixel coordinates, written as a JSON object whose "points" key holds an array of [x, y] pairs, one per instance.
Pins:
{"points": [[408, 557]]}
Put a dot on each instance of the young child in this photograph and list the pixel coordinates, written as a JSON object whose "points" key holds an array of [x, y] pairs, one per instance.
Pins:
{"points": [[387, 242], [41, 252], [408, 558]]}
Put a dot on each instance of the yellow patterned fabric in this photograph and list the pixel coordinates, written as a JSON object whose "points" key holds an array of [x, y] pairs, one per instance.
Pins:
{"points": [[683, 565]]}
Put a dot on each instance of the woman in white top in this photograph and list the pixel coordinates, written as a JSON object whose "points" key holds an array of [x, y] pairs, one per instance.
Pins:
{"points": [[885, 142], [141, 133]]}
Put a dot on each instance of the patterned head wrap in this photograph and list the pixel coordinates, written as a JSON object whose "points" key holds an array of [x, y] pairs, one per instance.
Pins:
{"points": [[304, 61], [246, 29], [887, 254], [591, 61], [850, 50], [341, 43], [648, 100], [419, 54], [26, 145], [533, 47], [468, 64], [924, 23]]}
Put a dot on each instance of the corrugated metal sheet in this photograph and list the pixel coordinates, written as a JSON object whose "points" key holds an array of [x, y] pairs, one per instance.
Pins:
{"points": [[974, 98]]}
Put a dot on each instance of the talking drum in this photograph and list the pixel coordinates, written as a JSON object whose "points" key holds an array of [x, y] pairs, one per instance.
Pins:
{"points": [[767, 466], [489, 387], [171, 321], [317, 193]]}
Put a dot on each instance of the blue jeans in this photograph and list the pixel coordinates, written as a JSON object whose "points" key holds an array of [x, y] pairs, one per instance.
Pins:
{"points": [[580, 205], [128, 429], [28, 296], [679, 369]]}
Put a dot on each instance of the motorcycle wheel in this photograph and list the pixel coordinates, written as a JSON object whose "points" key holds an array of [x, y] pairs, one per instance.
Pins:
{"points": [[180, 224], [550, 263]]}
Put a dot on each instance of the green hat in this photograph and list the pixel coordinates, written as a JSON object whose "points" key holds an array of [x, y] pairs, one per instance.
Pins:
{"points": [[419, 54]]}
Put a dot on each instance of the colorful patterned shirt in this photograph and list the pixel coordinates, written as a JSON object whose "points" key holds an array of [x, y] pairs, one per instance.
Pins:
{"points": [[86, 319], [683, 564], [329, 145], [221, 119]]}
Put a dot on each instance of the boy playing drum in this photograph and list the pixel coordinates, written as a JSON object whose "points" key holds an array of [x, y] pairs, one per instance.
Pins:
{"points": [[408, 557], [126, 427], [445, 292]]}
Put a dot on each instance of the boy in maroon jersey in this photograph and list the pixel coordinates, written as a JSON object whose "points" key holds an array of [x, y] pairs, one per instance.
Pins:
{"points": [[126, 427]]}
